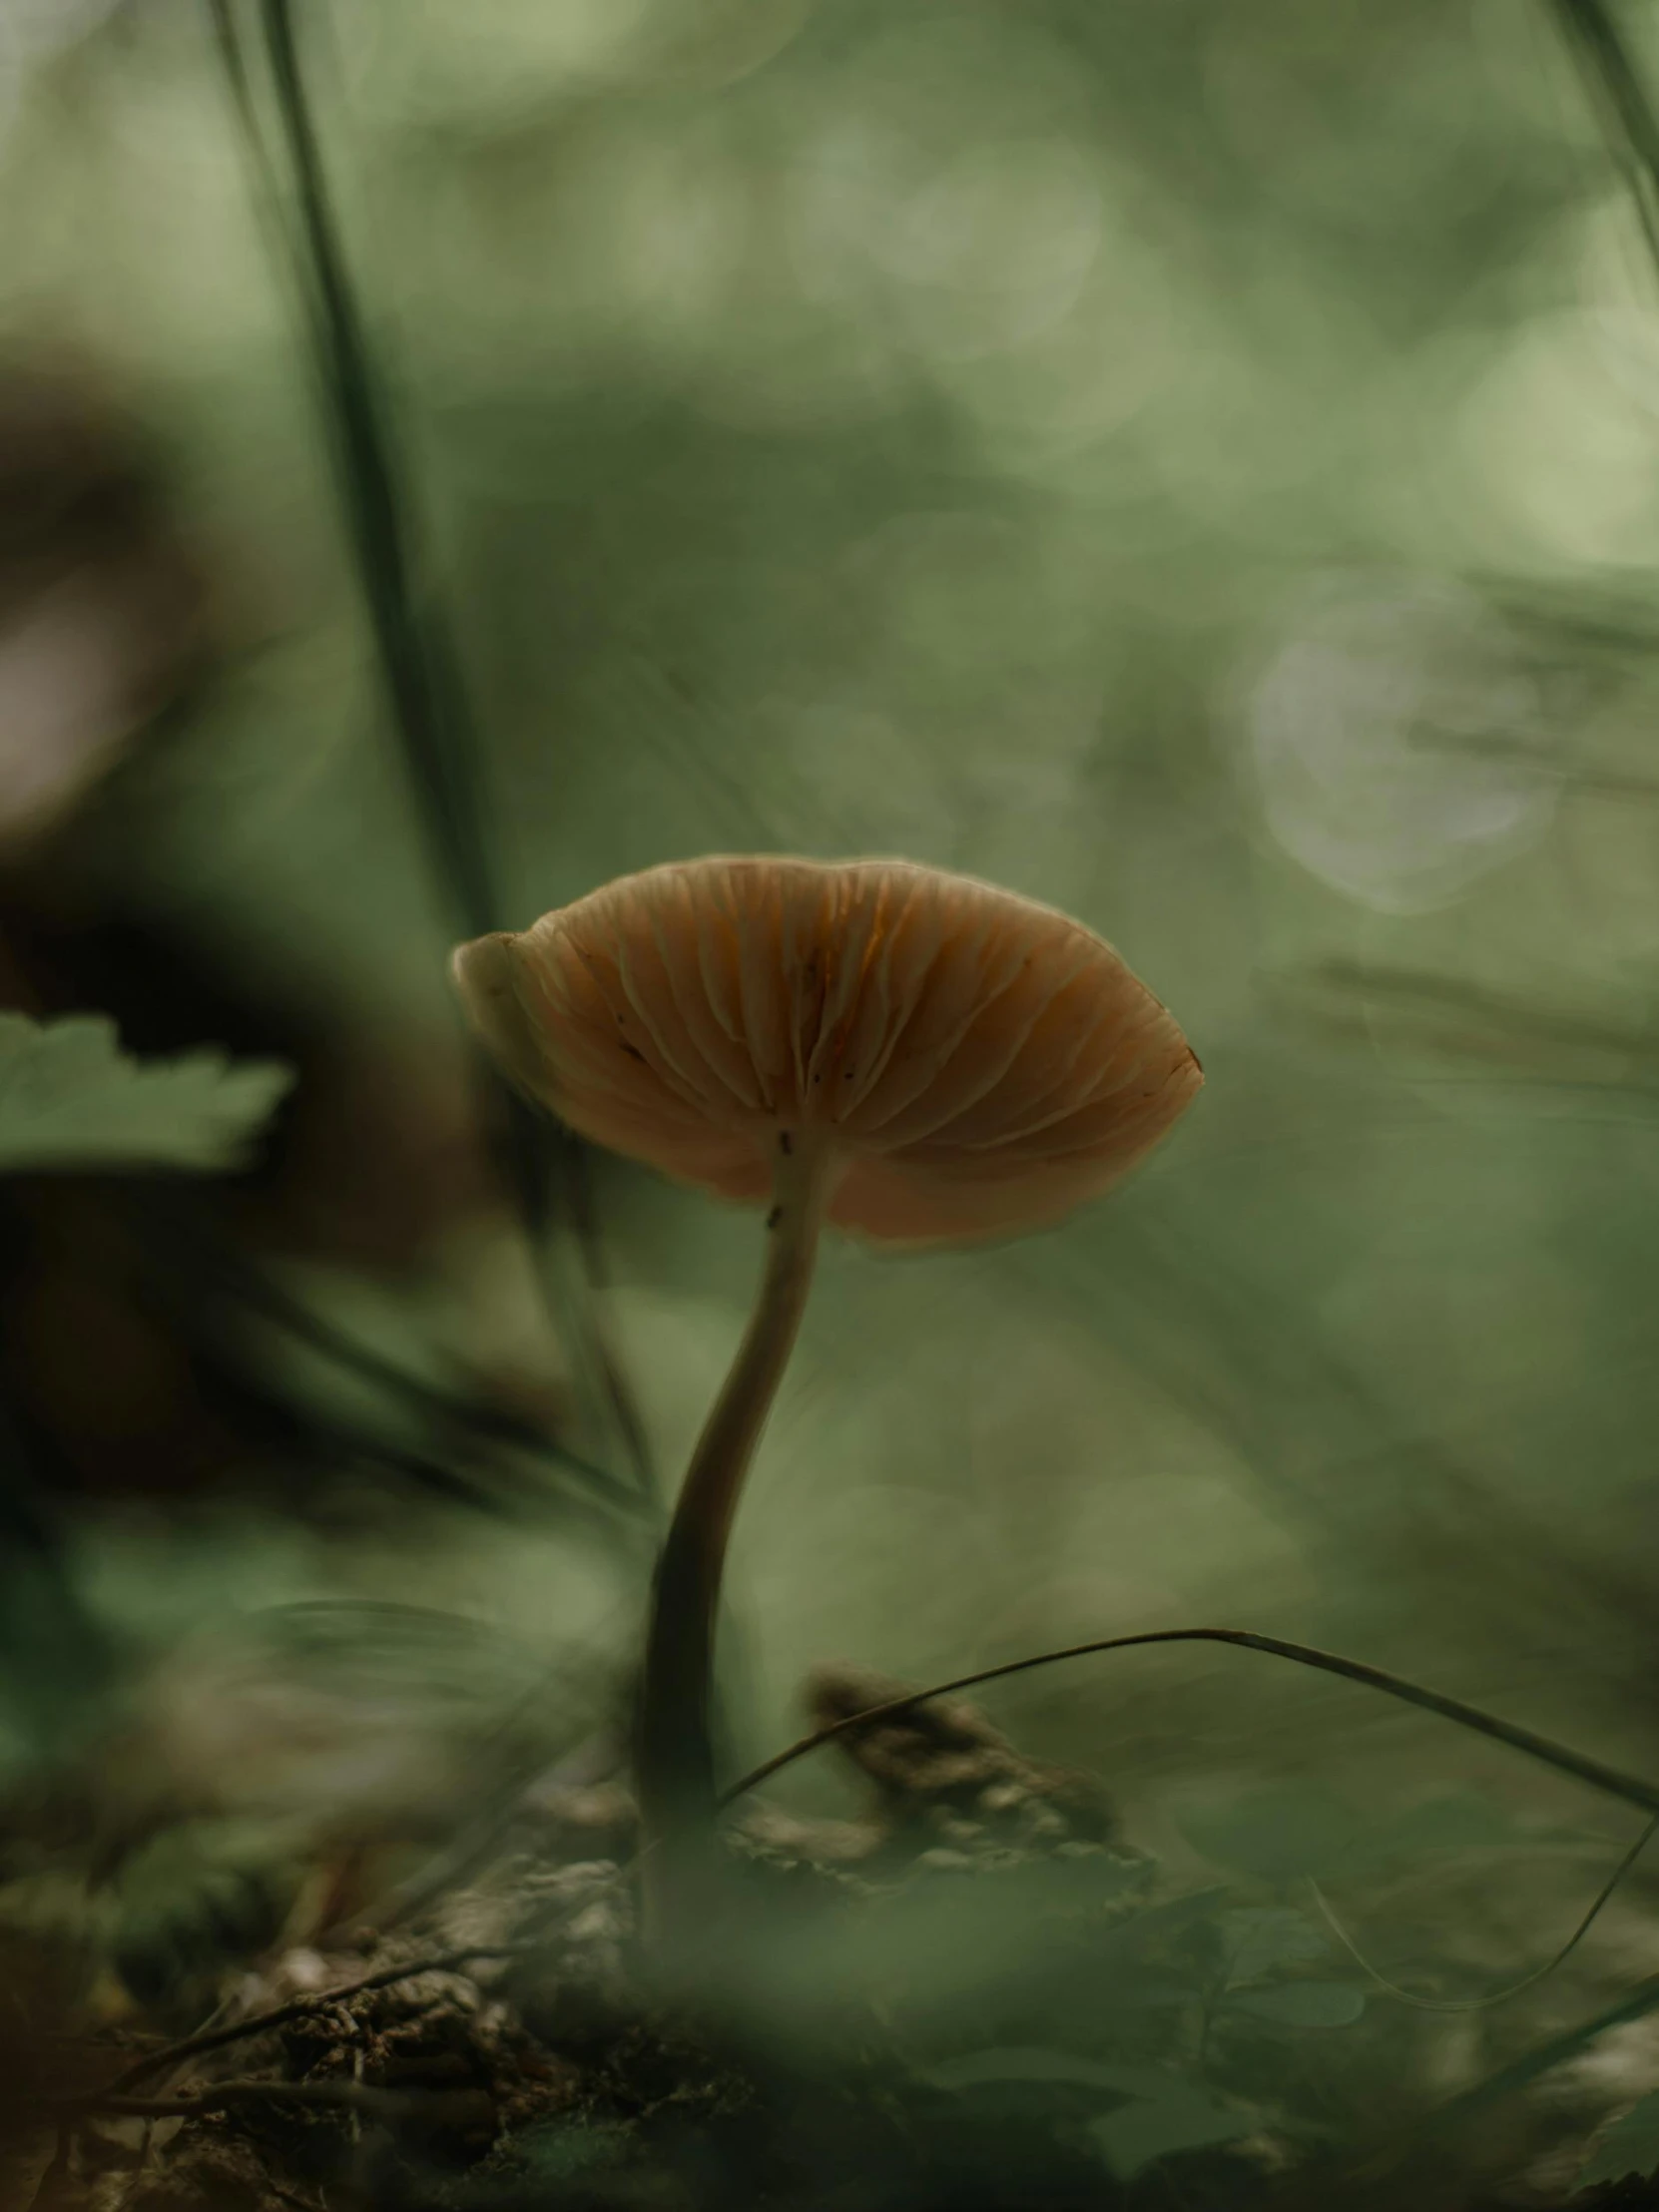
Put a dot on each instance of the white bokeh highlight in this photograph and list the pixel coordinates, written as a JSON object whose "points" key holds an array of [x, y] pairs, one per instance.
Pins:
{"points": [[1397, 737]]}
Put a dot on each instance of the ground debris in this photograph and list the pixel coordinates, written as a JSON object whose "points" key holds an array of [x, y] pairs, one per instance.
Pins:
{"points": [[948, 2004]]}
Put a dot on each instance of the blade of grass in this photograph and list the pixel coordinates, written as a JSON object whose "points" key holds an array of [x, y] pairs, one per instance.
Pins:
{"points": [[1388, 2164], [427, 702], [1631, 1789], [1616, 85], [1420, 2003], [416, 660], [180, 1241], [269, 203], [1543, 2059]]}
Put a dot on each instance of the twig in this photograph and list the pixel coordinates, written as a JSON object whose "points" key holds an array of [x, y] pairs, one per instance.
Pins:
{"points": [[297, 2008], [1630, 1788], [140, 2170], [49, 2189], [340, 2097]]}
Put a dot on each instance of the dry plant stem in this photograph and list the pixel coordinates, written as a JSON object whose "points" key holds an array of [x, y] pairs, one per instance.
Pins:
{"points": [[676, 1755], [1631, 1789], [297, 2009], [1511, 1989], [337, 2097]]}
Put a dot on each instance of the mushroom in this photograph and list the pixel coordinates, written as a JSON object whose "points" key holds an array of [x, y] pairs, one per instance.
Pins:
{"points": [[914, 1057]]}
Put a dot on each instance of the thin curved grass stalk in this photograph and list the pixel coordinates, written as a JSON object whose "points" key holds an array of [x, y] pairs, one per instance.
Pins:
{"points": [[179, 1233], [1629, 1788], [269, 206], [1510, 2080], [1629, 114], [1543, 2059], [594, 1758], [205, 2040], [1511, 1989], [416, 659]]}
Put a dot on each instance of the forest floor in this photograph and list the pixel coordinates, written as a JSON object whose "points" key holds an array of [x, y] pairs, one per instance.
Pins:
{"points": [[899, 2014]]}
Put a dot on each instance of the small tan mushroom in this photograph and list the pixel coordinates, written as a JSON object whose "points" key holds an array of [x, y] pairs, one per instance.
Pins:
{"points": [[911, 1055]]}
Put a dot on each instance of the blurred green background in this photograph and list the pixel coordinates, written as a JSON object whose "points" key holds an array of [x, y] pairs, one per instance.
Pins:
{"points": [[1196, 465]]}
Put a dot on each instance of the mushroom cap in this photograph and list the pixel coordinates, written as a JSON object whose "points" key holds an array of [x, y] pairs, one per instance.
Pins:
{"points": [[973, 1063]]}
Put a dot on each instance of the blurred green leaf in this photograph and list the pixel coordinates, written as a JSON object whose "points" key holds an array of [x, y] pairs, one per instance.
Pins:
{"points": [[944, 1945], [566, 2150], [1138, 1989], [49, 1934], [196, 1901], [1278, 1835], [1172, 1917], [328, 1717], [1463, 1822], [392, 1324], [1304, 2003], [1261, 1937], [70, 1097], [981, 2069], [1182, 2118], [1630, 2146]]}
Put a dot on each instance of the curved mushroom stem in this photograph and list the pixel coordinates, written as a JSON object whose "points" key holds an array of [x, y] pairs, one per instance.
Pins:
{"points": [[676, 1768]]}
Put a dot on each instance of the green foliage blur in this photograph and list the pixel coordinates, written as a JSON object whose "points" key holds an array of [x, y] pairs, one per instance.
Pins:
{"points": [[1196, 465]]}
